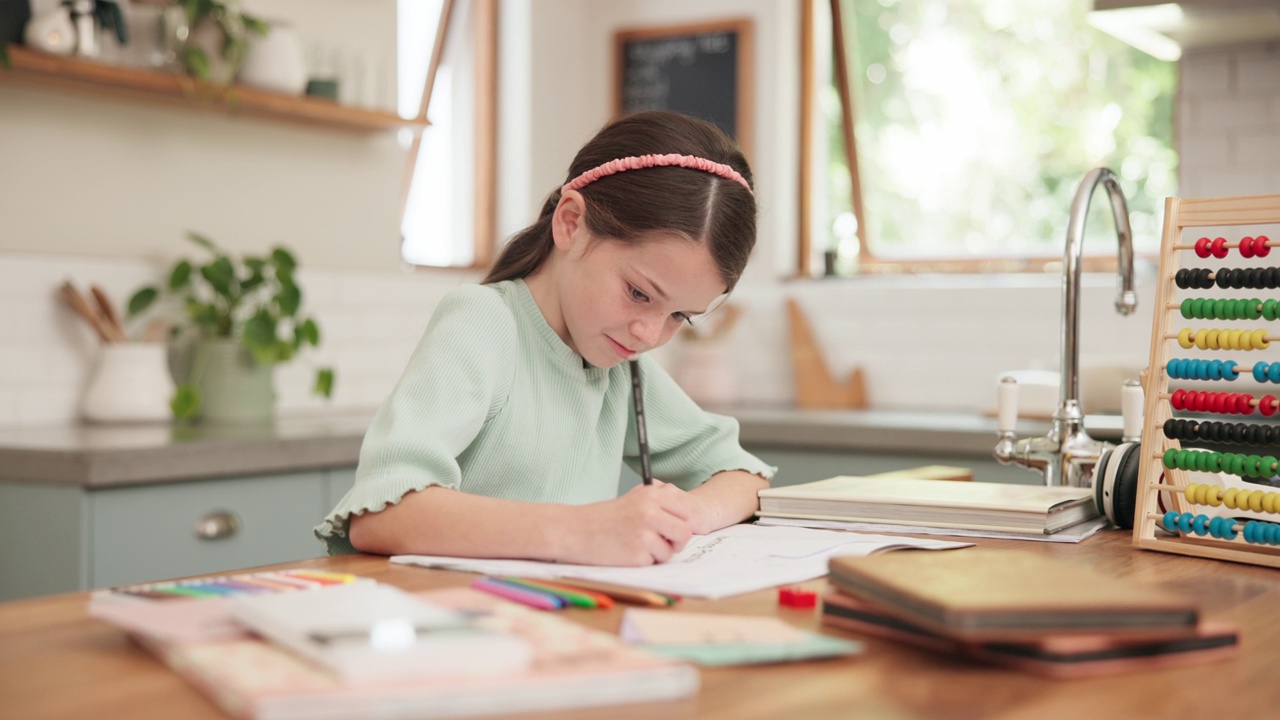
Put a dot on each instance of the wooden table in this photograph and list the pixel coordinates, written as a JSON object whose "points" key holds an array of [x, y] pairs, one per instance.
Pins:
{"points": [[56, 662]]}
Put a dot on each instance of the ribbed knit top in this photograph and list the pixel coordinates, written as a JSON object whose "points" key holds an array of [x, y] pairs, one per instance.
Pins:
{"points": [[494, 403]]}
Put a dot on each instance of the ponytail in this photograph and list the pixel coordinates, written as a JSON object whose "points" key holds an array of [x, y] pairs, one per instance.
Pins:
{"points": [[526, 252]]}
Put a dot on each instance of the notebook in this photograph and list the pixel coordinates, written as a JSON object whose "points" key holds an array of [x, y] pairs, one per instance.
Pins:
{"points": [[1059, 656], [940, 503], [984, 594], [573, 666]]}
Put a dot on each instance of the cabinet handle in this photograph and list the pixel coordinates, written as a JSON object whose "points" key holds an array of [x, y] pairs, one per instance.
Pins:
{"points": [[217, 525]]}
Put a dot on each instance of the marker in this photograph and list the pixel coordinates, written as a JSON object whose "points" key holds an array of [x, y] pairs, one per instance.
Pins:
{"points": [[642, 436], [516, 593]]}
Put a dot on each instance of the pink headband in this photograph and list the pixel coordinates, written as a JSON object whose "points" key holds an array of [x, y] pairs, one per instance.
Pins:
{"points": [[637, 162]]}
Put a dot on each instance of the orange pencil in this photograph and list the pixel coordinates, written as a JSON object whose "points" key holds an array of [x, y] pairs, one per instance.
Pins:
{"points": [[601, 600]]}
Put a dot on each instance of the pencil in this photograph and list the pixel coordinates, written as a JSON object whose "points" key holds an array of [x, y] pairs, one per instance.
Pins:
{"points": [[621, 593], [575, 598], [642, 436], [601, 600], [516, 593]]}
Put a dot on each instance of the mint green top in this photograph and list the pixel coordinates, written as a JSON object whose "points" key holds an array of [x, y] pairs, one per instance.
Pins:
{"points": [[494, 403]]}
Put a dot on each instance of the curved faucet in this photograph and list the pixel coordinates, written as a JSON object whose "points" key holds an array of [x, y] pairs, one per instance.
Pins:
{"points": [[1067, 454]]}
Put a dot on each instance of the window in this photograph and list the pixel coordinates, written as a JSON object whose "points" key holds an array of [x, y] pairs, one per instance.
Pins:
{"points": [[974, 122], [447, 54]]}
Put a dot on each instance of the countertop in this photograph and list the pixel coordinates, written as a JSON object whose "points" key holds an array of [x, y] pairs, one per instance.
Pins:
{"points": [[95, 456]]}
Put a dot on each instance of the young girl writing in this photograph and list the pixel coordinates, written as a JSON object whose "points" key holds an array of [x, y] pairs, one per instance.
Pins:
{"points": [[503, 437]]}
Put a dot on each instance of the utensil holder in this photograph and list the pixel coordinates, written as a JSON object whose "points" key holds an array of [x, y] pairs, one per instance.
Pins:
{"points": [[130, 383]]}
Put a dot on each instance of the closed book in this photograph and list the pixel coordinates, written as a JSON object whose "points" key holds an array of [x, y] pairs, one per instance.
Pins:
{"points": [[573, 666], [987, 594], [1001, 507], [1058, 656]]}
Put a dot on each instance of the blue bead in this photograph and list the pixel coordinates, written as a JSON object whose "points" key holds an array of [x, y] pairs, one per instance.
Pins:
{"points": [[1273, 534], [1215, 527], [1215, 369], [1200, 525], [1170, 521], [1228, 530], [1174, 368], [1273, 372], [1229, 371], [1184, 523], [1202, 369], [1260, 371]]}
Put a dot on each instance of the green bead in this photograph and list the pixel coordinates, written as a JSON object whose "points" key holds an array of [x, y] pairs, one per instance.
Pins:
{"points": [[1197, 308], [1268, 465], [1253, 308], [1237, 464], [1220, 309], [1215, 462], [1170, 457], [1186, 309], [1269, 309]]}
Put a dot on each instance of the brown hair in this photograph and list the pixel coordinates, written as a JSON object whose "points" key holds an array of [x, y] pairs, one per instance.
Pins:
{"points": [[625, 206]]}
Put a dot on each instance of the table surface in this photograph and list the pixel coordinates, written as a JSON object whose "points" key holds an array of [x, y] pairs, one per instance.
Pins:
{"points": [[57, 662]]}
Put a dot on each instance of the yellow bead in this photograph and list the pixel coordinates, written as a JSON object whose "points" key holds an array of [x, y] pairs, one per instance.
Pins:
{"points": [[1229, 498], [1190, 492], [1202, 338], [1260, 340], [1232, 340], [1269, 502], [1255, 501], [1212, 496], [1184, 338], [1246, 340], [1242, 499]]}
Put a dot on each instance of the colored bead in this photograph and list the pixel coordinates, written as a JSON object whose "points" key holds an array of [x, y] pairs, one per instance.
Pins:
{"points": [[1169, 457], [1260, 246], [1202, 338], [1229, 371], [1255, 500], [1229, 530], [1185, 308], [1267, 405], [1215, 462], [1215, 527], [1219, 247], [1229, 498], [1260, 371], [1212, 496], [1178, 399], [1214, 370], [1269, 309], [1184, 522], [1202, 247], [1202, 278], [1269, 468], [1273, 372], [1260, 340], [1246, 247], [1250, 528], [1269, 502], [1200, 525], [1170, 521], [1252, 308], [1184, 338], [1181, 278]]}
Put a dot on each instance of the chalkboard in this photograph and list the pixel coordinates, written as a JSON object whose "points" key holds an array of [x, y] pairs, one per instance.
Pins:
{"points": [[702, 70]]}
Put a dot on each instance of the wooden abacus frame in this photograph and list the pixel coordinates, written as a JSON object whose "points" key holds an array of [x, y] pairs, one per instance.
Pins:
{"points": [[1179, 215]]}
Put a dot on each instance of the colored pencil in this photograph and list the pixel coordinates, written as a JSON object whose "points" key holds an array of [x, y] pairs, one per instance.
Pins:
{"points": [[621, 593], [602, 600], [516, 593], [571, 596]]}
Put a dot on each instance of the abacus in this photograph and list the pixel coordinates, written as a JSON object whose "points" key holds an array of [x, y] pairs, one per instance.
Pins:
{"points": [[1240, 520]]}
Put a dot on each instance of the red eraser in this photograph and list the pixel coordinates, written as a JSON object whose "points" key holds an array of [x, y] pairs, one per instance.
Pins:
{"points": [[795, 597]]}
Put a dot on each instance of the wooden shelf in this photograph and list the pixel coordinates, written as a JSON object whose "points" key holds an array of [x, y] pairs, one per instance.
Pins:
{"points": [[174, 90]]}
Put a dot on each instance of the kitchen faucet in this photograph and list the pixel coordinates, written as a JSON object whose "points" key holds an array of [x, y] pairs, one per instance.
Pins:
{"points": [[1067, 455]]}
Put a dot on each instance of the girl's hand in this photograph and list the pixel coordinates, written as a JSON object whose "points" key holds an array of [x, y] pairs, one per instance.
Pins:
{"points": [[647, 525]]}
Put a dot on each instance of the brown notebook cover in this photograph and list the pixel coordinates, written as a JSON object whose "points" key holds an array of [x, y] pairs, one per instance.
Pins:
{"points": [[1059, 656], [988, 594]]}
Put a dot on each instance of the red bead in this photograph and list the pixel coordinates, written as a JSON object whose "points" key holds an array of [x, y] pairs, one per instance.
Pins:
{"points": [[1202, 247], [1246, 247], [1260, 246], [1267, 405], [1246, 404], [1220, 402], [1219, 247], [1178, 399]]}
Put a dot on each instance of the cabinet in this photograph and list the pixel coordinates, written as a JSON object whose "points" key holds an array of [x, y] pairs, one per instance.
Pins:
{"points": [[154, 87], [57, 538]]}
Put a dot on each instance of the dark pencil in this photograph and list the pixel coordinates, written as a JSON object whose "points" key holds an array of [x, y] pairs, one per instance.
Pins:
{"points": [[637, 394]]}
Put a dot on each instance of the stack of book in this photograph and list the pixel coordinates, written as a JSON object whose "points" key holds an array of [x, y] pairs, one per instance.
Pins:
{"points": [[997, 507], [1025, 610]]}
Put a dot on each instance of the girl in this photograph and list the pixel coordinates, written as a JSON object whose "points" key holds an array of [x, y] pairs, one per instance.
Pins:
{"points": [[504, 435]]}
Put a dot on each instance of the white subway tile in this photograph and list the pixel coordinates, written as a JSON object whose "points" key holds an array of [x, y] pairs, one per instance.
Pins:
{"points": [[1204, 74], [1229, 113], [1258, 149], [1257, 70]]}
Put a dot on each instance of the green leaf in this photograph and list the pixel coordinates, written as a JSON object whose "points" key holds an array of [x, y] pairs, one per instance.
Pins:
{"points": [[284, 351], [324, 382], [307, 332], [260, 337], [185, 403], [220, 275], [180, 276], [206, 317], [142, 300], [202, 241], [283, 259], [288, 300], [196, 62]]}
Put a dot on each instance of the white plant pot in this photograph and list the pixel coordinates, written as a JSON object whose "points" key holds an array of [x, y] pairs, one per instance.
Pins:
{"points": [[275, 61]]}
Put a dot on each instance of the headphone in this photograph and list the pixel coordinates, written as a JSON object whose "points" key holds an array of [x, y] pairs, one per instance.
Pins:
{"points": [[1115, 483]]}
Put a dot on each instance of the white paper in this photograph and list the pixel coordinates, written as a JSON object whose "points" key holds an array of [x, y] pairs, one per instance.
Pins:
{"points": [[1073, 534], [734, 560]]}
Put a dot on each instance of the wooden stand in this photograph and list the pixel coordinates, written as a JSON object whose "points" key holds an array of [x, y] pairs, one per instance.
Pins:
{"points": [[815, 387], [1154, 480]]}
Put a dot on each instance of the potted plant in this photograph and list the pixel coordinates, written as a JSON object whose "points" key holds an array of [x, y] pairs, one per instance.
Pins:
{"points": [[243, 316], [217, 35]]}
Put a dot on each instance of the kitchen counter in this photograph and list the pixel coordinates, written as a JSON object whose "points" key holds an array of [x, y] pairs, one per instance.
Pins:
{"points": [[97, 456]]}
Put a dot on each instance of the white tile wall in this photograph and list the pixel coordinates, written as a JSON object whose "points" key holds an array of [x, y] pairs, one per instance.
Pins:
{"points": [[925, 343]]}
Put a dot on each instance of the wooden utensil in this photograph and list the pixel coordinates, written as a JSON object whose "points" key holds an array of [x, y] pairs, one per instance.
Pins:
{"points": [[82, 308], [108, 314]]}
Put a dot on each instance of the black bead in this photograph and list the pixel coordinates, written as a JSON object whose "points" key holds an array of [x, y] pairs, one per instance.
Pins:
{"points": [[1203, 278]]}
